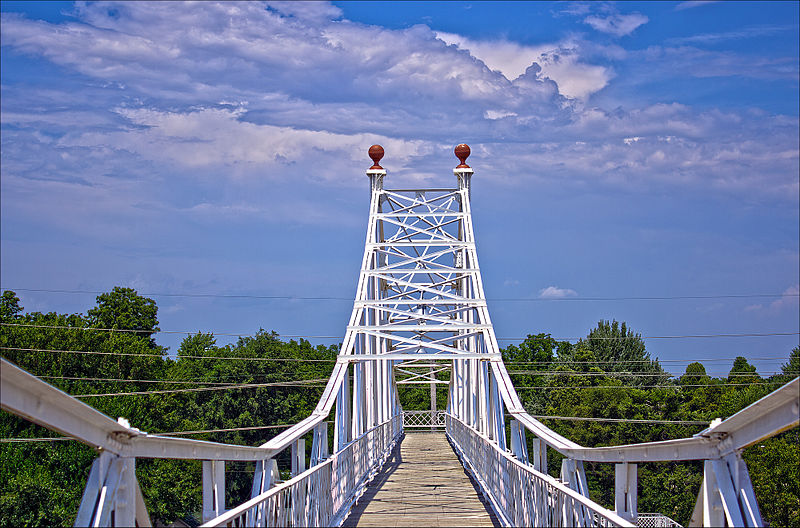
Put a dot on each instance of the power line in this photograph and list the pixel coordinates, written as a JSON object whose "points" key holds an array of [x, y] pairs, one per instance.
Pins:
{"points": [[184, 382], [173, 433], [188, 332], [144, 331], [613, 374], [312, 360], [307, 383], [498, 299], [158, 356], [620, 420], [637, 387]]}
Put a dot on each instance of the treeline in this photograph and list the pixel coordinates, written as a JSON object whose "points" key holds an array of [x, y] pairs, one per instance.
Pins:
{"points": [[41, 482], [607, 375], [610, 378]]}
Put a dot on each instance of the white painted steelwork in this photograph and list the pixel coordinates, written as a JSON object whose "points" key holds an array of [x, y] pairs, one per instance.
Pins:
{"points": [[419, 304], [323, 494], [424, 420], [521, 495]]}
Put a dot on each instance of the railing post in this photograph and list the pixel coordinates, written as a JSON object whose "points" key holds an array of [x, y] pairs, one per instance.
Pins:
{"points": [[433, 399], [319, 444], [519, 446], [709, 497], [213, 489], [721, 493], [626, 491], [744, 489], [112, 489], [264, 477], [342, 431], [539, 455], [574, 477], [125, 499], [298, 456]]}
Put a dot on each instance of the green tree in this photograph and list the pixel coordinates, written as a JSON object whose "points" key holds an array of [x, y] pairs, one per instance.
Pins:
{"points": [[9, 306], [124, 309], [792, 369], [695, 375], [742, 372], [774, 467], [618, 349]]}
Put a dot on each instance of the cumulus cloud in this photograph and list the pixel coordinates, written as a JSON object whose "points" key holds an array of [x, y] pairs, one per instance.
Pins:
{"points": [[790, 297], [217, 137], [554, 292], [559, 62], [617, 25], [245, 89]]}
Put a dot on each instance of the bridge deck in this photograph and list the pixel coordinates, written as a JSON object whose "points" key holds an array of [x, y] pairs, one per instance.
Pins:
{"points": [[422, 484]]}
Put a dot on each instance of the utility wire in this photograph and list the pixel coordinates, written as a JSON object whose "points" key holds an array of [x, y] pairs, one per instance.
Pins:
{"points": [[158, 356], [304, 383], [622, 338], [304, 360], [512, 372], [262, 427], [636, 387], [620, 420], [499, 299], [105, 380], [173, 433]]}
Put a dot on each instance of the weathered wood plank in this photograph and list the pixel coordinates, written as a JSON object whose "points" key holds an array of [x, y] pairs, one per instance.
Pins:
{"points": [[422, 484]]}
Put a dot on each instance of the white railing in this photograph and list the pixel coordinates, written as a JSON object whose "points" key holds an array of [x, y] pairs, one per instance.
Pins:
{"points": [[424, 419], [322, 495], [520, 495]]}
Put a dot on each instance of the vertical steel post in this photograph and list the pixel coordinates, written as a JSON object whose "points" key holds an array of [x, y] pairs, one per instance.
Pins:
{"points": [[213, 489], [626, 491], [298, 456]]}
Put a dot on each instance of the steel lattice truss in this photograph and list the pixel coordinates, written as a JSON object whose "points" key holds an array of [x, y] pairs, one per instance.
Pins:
{"points": [[420, 288]]}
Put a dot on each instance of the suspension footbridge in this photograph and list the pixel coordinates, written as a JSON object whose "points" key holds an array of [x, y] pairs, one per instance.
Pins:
{"points": [[420, 310]]}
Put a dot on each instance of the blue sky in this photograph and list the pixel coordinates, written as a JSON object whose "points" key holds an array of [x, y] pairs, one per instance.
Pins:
{"points": [[621, 150]]}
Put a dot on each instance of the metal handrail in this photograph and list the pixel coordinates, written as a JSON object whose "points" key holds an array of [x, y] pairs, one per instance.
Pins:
{"points": [[520, 495], [322, 495]]}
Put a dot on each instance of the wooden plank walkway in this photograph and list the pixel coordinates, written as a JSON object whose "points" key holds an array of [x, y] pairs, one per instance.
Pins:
{"points": [[422, 484]]}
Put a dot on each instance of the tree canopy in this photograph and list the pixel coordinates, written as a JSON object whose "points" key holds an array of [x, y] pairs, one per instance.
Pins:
{"points": [[599, 376]]}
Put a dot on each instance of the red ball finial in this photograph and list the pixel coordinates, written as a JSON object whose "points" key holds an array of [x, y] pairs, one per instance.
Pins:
{"points": [[462, 153], [376, 153]]}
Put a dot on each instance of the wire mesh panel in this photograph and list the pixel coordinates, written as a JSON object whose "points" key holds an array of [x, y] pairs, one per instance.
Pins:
{"points": [[655, 520], [424, 419]]}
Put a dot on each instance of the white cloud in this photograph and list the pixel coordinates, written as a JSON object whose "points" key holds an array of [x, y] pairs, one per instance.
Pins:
{"points": [[790, 298], [554, 292], [575, 79], [217, 137], [509, 58], [695, 62], [559, 62], [617, 25], [245, 91], [690, 4], [714, 38], [498, 114]]}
